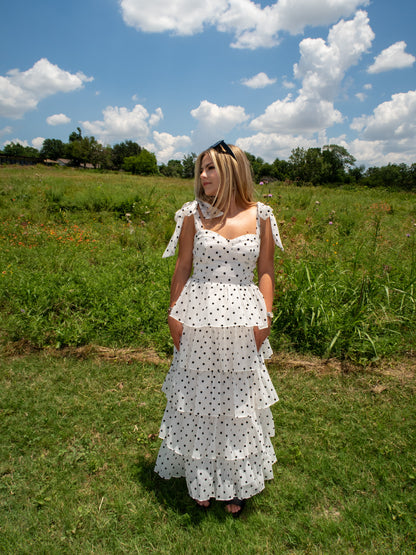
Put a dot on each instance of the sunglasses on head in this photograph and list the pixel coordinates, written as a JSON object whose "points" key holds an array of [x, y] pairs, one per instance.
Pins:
{"points": [[221, 146]]}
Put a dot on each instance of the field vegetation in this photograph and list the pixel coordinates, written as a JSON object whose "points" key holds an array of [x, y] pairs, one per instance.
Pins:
{"points": [[85, 349], [81, 263]]}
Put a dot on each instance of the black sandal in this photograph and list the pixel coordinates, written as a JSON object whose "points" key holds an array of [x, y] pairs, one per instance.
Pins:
{"points": [[240, 503]]}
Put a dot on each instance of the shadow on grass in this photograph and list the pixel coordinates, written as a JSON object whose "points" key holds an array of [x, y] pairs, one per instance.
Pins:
{"points": [[173, 494]]}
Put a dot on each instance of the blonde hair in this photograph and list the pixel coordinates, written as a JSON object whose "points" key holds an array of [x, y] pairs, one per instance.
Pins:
{"points": [[236, 179]]}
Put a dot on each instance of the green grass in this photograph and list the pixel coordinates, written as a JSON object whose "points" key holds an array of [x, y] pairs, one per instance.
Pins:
{"points": [[80, 263], [79, 442]]}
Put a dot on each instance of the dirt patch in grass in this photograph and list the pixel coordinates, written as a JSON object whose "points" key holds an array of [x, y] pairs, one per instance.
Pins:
{"points": [[403, 367]]}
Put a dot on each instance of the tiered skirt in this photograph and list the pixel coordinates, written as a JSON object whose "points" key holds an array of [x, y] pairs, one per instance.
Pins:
{"points": [[217, 425]]}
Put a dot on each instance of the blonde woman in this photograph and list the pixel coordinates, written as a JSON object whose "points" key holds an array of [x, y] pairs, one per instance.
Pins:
{"points": [[217, 424]]}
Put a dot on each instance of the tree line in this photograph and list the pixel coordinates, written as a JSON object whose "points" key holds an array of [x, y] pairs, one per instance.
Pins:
{"points": [[329, 165]]}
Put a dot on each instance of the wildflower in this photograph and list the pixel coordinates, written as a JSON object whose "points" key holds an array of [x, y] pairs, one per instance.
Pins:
{"points": [[261, 183], [330, 223], [407, 234], [269, 195]]}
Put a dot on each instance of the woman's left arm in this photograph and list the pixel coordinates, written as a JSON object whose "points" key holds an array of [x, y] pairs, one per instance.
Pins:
{"points": [[265, 270]]}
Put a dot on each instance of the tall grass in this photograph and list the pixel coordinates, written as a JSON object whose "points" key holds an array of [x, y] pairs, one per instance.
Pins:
{"points": [[81, 263]]}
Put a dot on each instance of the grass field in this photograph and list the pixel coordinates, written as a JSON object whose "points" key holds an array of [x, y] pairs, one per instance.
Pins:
{"points": [[81, 263], [79, 442], [85, 349]]}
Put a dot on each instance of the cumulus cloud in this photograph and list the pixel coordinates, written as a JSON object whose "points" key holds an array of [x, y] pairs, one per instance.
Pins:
{"points": [[274, 145], [169, 147], [21, 91], [393, 57], [37, 142], [16, 142], [251, 25], [321, 68], [182, 17], [122, 123], [156, 117], [214, 122], [58, 119], [388, 135], [394, 119], [218, 119], [259, 81]]}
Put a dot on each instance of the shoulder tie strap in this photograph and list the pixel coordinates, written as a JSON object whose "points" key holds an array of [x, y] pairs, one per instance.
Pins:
{"points": [[266, 212], [187, 209]]}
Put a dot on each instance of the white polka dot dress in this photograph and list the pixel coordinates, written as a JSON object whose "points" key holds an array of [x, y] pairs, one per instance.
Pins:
{"points": [[217, 424]]}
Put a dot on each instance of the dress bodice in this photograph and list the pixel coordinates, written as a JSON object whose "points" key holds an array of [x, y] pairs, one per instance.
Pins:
{"points": [[221, 291], [222, 260]]}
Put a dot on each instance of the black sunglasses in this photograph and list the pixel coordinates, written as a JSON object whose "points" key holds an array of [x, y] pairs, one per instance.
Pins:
{"points": [[223, 145]]}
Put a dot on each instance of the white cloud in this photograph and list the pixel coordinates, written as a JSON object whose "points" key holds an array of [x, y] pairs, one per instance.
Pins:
{"points": [[288, 84], [251, 25], [156, 117], [37, 142], [121, 124], [21, 92], [391, 120], [388, 135], [295, 15], [259, 81], [16, 141], [274, 145], [58, 119], [219, 119], [182, 17], [361, 96], [393, 57], [322, 67], [368, 86], [214, 122], [6, 130], [302, 115], [168, 147]]}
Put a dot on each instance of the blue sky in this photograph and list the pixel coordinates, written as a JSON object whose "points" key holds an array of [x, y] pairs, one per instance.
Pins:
{"points": [[175, 76]]}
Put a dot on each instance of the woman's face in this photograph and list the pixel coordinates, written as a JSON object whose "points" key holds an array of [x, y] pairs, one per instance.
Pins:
{"points": [[210, 180]]}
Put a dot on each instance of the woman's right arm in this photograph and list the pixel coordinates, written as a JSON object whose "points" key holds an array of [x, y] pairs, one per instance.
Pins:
{"points": [[183, 269]]}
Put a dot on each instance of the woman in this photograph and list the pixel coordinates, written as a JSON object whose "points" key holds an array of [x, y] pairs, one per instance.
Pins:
{"points": [[217, 424]]}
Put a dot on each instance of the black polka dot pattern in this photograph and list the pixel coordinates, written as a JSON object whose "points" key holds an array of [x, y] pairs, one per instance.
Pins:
{"points": [[217, 424]]}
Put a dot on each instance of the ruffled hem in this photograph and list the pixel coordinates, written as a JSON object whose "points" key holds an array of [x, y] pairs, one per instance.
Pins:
{"points": [[219, 478], [220, 305], [223, 438]]}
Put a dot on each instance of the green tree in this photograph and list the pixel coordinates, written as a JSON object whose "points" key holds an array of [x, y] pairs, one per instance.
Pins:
{"points": [[256, 165], [18, 150], [52, 149], [337, 162], [144, 163], [173, 168], [282, 169], [123, 150], [75, 135], [188, 164]]}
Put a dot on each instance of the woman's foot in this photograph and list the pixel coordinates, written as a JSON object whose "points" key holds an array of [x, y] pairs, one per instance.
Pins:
{"points": [[235, 506], [203, 504]]}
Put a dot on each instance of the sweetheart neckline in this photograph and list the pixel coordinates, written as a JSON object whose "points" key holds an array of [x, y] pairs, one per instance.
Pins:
{"points": [[226, 238]]}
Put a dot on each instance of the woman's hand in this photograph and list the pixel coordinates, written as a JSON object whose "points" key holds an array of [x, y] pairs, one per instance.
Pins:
{"points": [[260, 336], [176, 329]]}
